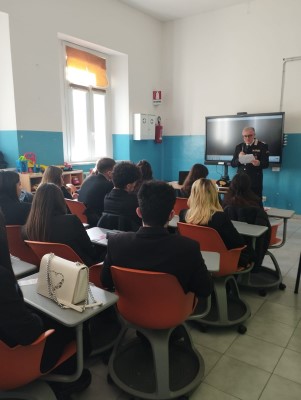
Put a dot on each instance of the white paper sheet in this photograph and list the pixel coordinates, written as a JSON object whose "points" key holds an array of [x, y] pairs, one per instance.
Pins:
{"points": [[246, 159]]}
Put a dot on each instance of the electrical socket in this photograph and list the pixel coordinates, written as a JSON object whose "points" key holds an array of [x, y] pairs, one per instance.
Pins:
{"points": [[264, 198]]}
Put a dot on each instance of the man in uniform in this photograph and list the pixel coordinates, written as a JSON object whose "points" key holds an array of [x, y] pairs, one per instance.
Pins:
{"points": [[251, 145]]}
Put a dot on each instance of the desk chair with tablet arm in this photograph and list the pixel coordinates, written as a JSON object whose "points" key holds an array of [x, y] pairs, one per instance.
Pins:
{"points": [[100, 344], [21, 366], [154, 365], [227, 307], [261, 278], [65, 251]]}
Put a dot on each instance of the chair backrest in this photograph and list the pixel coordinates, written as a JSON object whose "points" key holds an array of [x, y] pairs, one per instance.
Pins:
{"points": [[180, 204], [18, 247], [59, 249], [21, 364], [153, 300], [77, 208], [210, 240]]}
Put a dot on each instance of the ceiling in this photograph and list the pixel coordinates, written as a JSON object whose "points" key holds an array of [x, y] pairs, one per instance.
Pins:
{"points": [[168, 10]]}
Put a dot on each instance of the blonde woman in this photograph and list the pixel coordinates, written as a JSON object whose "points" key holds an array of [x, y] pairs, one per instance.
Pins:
{"points": [[205, 209]]}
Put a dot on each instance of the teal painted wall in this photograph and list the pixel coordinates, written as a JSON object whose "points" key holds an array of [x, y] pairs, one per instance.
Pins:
{"points": [[176, 153], [48, 146], [9, 146]]}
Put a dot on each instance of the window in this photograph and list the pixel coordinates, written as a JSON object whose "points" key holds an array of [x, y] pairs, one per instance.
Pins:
{"points": [[87, 98]]}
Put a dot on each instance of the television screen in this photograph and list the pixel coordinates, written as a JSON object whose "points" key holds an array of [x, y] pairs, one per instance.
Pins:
{"points": [[224, 133]]}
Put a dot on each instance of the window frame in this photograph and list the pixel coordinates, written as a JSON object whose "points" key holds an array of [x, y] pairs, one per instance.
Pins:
{"points": [[68, 123]]}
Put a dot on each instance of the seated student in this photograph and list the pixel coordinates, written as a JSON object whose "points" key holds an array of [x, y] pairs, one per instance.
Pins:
{"points": [[54, 174], [240, 194], [20, 325], [15, 211], [49, 222], [197, 171], [205, 209], [241, 203], [94, 189], [146, 173], [152, 248], [121, 203]]}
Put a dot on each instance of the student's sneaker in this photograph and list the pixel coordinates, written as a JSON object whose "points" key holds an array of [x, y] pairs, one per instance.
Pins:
{"points": [[63, 390]]}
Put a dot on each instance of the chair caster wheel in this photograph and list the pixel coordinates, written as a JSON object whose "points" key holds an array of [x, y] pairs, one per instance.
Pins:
{"points": [[241, 329], [262, 292], [282, 286]]}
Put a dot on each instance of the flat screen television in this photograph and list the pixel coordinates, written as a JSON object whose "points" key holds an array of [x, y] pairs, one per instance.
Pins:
{"points": [[224, 133]]}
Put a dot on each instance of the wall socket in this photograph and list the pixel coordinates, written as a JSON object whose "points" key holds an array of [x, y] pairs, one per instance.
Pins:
{"points": [[264, 198]]}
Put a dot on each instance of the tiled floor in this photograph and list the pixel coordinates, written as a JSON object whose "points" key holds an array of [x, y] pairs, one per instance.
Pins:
{"points": [[264, 363]]}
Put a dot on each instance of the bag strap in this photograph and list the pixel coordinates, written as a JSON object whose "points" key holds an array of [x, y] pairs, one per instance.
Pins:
{"points": [[64, 304]]}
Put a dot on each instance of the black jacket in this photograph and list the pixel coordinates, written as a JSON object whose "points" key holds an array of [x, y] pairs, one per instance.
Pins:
{"points": [[261, 153], [122, 203], [17, 324], [154, 249], [92, 193], [15, 212]]}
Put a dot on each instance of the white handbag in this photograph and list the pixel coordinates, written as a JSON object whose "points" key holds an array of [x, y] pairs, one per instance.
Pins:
{"points": [[66, 282]]}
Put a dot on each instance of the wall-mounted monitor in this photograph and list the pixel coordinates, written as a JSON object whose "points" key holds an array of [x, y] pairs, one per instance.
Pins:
{"points": [[223, 133]]}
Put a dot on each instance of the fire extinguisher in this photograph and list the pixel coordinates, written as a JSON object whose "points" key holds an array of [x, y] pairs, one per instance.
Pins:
{"points": [[158, 131]]}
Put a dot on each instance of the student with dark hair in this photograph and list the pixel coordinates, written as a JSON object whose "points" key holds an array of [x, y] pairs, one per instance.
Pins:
{"points": [[146, 173], [240, 194], [152, 248], [197, 171], [49, 222], [15, 211], [121, 203], [54, 174], [20, 325], [242, 204], [94, 189]]}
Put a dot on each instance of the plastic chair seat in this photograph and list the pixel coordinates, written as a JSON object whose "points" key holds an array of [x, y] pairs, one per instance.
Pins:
{"points": [[18, 247], [180, 204], [77, 208], [154, 305], [22, 363], [227, 306]]}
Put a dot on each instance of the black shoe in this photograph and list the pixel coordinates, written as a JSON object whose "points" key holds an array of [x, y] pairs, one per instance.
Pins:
{"points": [[63, 390]]}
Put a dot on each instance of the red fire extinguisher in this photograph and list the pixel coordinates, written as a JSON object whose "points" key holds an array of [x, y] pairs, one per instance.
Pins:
{"points": [[158, 131]]}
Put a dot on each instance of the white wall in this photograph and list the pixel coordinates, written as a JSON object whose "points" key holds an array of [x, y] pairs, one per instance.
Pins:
{"points": [[35, 25], [7, 108], [228, 61]]}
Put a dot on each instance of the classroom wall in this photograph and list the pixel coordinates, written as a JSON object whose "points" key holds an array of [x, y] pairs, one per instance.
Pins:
{"points": [[35, 28], [216, 63], [229, 61]]}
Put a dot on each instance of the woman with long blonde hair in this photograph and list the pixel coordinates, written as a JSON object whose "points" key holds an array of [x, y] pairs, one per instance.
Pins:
{"points": [[205, 209]]}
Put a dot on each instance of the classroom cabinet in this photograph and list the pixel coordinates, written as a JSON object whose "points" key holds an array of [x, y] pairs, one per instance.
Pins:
{"points": [[30, 181]]}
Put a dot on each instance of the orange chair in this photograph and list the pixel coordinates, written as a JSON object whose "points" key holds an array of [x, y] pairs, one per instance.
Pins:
{"points": [[227, 307], [152, 366], [274, 241], [77, 208], [18, 247], [180, 204], [22, 363], [64, 251]]}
